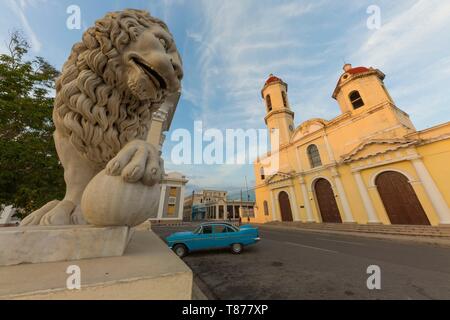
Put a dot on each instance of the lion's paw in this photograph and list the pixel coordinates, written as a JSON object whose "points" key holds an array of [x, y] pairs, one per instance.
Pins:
{"points": [[59, 215], [137, 161], [35, 217]]}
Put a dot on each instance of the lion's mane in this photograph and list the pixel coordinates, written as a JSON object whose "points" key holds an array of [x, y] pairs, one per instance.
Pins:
{"points": [[93, 105]]}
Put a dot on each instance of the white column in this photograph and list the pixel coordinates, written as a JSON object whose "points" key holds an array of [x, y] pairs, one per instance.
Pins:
{"points": [[217, 212], [299, 163], [372, 215], [295, 204], [156, 127], [309, 214], [329, 150], [161, 201], [181, 205], [348, 216], [432, 191], [272, 200]]}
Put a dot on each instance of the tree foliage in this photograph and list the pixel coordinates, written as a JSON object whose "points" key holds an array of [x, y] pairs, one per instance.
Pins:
{"points": [[30, 172]]}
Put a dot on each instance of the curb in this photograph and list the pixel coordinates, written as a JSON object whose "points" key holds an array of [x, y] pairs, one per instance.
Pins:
{"points": [[401, 238], [200, 291]]}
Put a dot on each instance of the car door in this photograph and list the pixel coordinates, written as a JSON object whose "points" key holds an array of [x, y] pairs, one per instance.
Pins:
{"points": [[204, 239], [234, 236], [221, 239]]}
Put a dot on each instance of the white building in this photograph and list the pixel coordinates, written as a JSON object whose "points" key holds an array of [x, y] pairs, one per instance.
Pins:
{"points": [[171, 202], [215, 205]]}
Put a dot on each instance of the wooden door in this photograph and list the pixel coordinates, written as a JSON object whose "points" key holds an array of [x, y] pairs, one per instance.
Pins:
{"points": [[327, 202], [400, 199], [285, 206]]}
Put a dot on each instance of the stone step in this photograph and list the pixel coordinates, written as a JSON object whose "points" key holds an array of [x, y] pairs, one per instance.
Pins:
{"points": [[426, 231]]}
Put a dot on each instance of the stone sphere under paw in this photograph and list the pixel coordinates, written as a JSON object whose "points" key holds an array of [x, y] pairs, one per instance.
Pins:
{"points": [[110, 201]]}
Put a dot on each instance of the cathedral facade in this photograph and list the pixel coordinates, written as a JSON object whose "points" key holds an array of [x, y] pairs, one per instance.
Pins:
{"points": [[367, 165]]}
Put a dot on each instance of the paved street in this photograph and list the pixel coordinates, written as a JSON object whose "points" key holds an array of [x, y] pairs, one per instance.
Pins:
{"points": [[295, 264]]}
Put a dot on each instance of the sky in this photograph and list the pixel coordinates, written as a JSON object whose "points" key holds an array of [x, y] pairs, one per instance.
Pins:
{"points": [[229, 48]]}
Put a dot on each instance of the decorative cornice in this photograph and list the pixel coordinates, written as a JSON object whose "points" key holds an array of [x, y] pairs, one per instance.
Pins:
{"points": [[434, 139], [359, 168], [274, 112], [396, 144], [283, 176]]}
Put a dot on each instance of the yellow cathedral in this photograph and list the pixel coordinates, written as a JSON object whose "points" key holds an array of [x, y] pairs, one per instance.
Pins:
{"points": [[369, 165]]}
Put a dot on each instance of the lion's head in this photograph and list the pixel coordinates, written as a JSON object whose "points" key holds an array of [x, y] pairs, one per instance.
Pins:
{"points": [[122, 70]]}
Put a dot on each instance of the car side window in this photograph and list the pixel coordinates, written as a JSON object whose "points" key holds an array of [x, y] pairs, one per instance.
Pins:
{"points": [[207, 230], [229, 229], [220, 229]]}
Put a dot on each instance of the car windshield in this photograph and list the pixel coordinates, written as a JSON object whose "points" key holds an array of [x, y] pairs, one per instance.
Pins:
{"points": [[231, 228], [198, 229]]}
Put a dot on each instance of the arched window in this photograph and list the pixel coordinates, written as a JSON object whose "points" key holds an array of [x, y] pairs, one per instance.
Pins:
{"points": [[261, 171], [266, 208], [269, 103], [314, 156], [283, 95], [356, 100]]}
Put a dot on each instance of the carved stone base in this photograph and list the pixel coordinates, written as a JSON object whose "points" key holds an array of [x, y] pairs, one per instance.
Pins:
{"points": [[148, 269], [60, 243]]}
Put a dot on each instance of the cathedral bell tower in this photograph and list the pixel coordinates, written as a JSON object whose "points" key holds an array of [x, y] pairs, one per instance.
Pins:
{"points": [[361, 90], [279, 117]]}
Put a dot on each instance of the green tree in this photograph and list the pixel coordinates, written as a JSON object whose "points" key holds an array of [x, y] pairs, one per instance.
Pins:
{"points": [[30, 172]]}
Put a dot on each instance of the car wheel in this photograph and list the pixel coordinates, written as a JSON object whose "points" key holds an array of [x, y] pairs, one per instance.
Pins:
{"points": [[180, 250], [236, 248]]}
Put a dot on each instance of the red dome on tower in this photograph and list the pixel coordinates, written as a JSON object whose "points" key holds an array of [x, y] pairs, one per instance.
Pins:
{"points": [[351, 73], [357, 70], [349, 69], [272, 79]]}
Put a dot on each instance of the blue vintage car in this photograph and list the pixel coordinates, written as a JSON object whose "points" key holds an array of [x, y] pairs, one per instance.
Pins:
{"points": [[213, 235]]}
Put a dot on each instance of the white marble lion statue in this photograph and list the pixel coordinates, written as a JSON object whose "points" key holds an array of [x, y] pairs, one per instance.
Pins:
{"points": [[114, 79]]}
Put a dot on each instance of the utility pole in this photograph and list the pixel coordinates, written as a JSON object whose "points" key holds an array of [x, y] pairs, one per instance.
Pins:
{"points": [[192, 205], [246, 187], [241, 213], [248, 200]]}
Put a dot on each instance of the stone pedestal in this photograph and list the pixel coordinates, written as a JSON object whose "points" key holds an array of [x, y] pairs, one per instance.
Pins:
{"points": [[148, 269], [60, 243]]}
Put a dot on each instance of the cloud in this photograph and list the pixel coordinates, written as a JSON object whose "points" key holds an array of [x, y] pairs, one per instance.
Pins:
{"points": [[235, 58], [197, 37], [19, 8], [237, 44], [405, 36], [295, 8], [409, 48], [228, 177]]}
